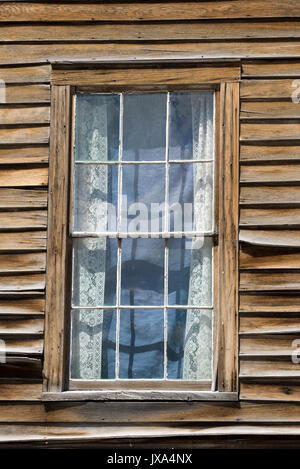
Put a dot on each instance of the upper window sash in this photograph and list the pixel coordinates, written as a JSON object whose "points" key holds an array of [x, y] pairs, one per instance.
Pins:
{"points": [[110, 154]]}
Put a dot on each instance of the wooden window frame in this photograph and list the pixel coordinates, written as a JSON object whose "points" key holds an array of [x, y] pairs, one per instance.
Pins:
{"points": [[224, 80]]}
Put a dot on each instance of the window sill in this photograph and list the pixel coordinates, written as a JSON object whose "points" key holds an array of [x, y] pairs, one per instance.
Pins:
{"points": [[133, 395]]}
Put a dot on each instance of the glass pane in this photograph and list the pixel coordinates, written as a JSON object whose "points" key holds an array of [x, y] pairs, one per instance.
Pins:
{"points": [[190, 271], [94, 272], [97, 127], [189, 352], [143, 186], [142, 273], [191, 126], [144, 134], [93, 348], [141, 344], [95, 198], [191, 196]]}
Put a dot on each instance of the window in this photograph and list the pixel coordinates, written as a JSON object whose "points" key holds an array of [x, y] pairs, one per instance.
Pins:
{"points": [[141, 284], [142, 247]]}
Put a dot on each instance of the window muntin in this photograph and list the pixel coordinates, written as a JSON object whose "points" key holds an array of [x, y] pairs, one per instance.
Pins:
{"points": [[129, 322]]}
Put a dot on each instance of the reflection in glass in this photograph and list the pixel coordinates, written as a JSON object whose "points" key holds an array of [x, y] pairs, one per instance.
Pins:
{"points": [[143, 193], [144, 134], [142, 272], [191, 125], [141, 344], [176, 339]]}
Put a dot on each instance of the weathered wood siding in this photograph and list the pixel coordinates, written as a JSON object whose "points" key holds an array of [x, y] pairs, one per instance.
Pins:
{"points": [[24, 148], [269, 203], [265, 36]]}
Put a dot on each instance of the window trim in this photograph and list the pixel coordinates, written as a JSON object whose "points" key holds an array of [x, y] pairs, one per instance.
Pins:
{"points": [[57, 337]]}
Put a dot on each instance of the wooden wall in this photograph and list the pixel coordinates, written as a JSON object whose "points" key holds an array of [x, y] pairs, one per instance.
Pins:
{"points": [[269, 223], [24, 140], [265, 36]]}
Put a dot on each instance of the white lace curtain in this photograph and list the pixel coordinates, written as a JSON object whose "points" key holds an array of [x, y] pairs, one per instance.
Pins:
{"points": [[89, 280], [198, 337]]}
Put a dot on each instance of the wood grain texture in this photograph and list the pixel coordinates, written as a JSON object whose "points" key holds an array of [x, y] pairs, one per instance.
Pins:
{"points": [[260, 281], [269, 152], [269, 110], [150, 412], [269, 325], [22, 282], [287, 392], [149, 32], [23, 94], [183, 31], [139, 76], [25, 241], [24, 115], [261, 257], [266, 331], [155, 412], [255, 434], [22, 307], [21, 327], [119, 395], [24, 135], [228, 237], [263, 131], [288, 196], [21, 11], [141, 390], [142, 437], [23, 177], [166, 52], [22, 155], [271, 69], [274, 346], [20, 391], [25, 262], [269, 369], [35, 74], [22, 198], [21, 345], [23, 220], [265, 217], [270, 302], [268, 89], [270, 173], [54, 366]]}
